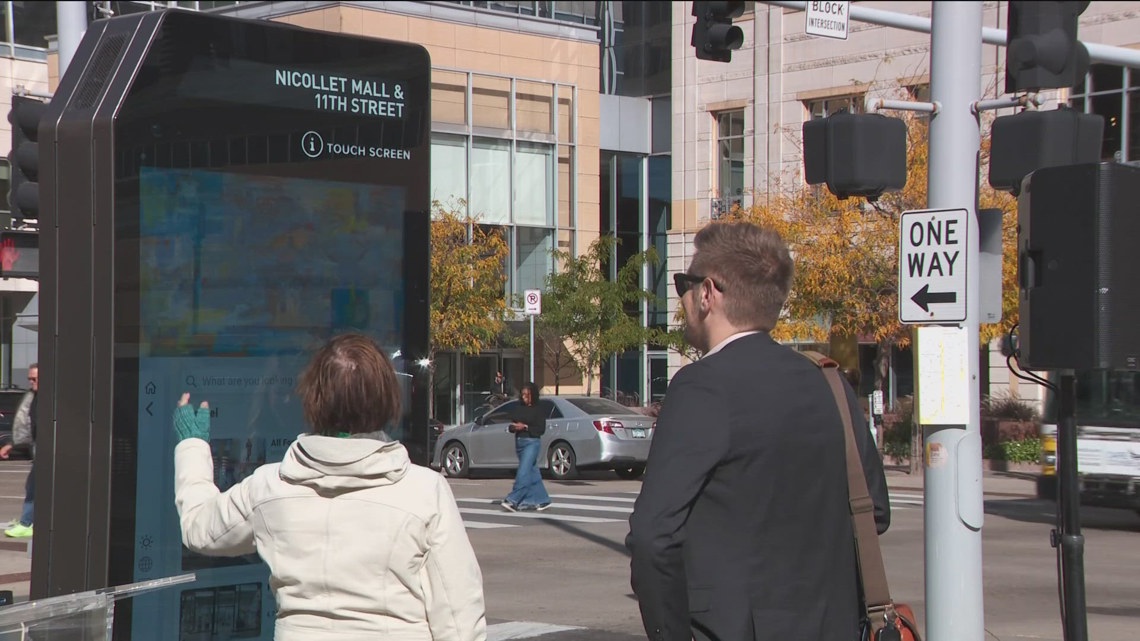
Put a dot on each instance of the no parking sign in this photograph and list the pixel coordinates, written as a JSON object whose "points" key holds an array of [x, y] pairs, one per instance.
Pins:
{"points": [[532, 302]]}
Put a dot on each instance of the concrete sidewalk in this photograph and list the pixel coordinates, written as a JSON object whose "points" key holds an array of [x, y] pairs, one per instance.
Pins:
{"points": [[1010, 484]]}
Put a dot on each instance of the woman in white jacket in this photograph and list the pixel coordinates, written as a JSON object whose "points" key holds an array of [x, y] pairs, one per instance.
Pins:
{"points": [[360, 543]]}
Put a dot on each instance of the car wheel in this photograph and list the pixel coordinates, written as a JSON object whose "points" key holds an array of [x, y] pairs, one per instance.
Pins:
{"points": [[631, 473], [562, 463], [454, 461]]}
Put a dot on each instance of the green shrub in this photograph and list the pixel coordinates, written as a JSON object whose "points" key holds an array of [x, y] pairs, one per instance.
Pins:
{"points": [[1023, 451]]}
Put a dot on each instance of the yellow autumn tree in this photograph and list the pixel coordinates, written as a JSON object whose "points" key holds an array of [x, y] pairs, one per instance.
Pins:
{"points": [[846, 255], [468, 299]]}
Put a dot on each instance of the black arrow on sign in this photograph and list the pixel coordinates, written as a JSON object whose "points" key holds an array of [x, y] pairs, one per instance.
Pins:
{"points": [[924, 297], [148, 406]]}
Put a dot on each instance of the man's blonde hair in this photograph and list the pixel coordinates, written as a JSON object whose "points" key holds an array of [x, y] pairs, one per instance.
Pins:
{"points": [[752, 265]]}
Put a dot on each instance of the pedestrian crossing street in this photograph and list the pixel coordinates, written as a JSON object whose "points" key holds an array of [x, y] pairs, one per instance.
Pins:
{"points": [[484, 513]]}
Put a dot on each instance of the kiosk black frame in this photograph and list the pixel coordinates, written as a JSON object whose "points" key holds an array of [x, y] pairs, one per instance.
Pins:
{"points": [[182, 90]]}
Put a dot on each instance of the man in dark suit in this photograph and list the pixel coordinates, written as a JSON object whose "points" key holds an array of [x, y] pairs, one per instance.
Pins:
{"points": [[742, 530]]}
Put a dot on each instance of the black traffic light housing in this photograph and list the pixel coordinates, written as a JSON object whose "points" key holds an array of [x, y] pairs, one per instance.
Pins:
{"points": [[24, 159], [855, 154], [1042, 50], [714, 35], [1025, 142], [1077, 263]]}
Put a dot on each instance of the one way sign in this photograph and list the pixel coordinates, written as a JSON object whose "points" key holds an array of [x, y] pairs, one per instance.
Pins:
{"points": [[932, 266]]}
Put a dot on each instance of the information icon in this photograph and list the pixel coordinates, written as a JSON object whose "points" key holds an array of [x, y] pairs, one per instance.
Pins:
{"points": [[312, 144]]}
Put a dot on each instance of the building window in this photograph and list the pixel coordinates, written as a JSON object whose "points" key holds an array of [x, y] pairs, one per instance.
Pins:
{"points": [[449, 169], [506, 148], [1114, 93], [490, 185], [636, 48], [534, 184], [825, 107], [730, 158], [533, 261], [576, 12]]}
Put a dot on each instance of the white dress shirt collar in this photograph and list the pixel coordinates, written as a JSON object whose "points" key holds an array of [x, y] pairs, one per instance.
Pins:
{"points": [[721, 345]]}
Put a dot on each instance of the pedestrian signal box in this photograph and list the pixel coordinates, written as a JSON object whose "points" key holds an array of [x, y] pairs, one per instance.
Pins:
{"points": [[19, 253], [219, 197]]}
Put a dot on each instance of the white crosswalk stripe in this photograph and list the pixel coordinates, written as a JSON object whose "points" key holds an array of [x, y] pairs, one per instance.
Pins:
{"points": [[524, 630], [482, 513], [906, 500], [621, 499]]}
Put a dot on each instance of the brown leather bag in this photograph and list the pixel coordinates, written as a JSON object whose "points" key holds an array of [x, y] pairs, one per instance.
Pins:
{"points": [[883, 619]]}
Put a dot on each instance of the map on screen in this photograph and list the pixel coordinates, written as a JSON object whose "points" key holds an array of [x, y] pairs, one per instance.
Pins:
{"points": [[237, 264], [241, 277]]}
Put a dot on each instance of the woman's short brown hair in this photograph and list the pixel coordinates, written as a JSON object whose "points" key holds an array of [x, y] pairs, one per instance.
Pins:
{"points": [[349, 386]]}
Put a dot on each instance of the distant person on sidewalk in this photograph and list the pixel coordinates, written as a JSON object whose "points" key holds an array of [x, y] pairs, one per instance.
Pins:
{"points": [[528, 424], [24, 436], [742, 530], [360, 543]]}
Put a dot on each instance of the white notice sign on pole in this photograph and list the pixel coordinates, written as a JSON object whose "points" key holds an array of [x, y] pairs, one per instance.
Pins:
{"points": [[532, 302], [932, 266], [828, 19]]}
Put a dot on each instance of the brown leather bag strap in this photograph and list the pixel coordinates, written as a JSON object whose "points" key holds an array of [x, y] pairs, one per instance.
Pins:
{"points": [[872, 572]]}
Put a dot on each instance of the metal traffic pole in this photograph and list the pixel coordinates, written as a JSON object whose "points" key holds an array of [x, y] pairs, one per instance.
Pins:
{"points": [[953, 461], [71, 24]]}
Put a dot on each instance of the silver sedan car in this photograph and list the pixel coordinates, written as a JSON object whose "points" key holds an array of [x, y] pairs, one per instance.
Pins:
{"points": [[582, 432]]}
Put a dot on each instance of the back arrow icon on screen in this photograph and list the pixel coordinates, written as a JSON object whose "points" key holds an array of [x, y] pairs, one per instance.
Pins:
{"points": [[148, 406], [924, 297]]}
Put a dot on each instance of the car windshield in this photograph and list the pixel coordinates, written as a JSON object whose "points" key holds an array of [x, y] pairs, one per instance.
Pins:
{"points": [[603, 407]]}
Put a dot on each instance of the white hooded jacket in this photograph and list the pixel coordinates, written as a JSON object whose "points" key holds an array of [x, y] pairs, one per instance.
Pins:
{"points": [[360, 543]]}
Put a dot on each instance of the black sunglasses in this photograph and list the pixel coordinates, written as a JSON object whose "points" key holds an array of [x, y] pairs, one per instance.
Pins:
{"points": [[683, 282]]}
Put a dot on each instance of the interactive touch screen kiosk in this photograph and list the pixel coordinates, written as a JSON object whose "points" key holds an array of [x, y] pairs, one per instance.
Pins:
{"points": [[221, 196]]}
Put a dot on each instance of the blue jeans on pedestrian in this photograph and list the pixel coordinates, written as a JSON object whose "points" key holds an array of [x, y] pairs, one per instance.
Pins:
{"points": [[528, 490], [26, 516]]}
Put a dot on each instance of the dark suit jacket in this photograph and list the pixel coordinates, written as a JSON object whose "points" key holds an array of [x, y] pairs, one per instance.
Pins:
{"points": [[742, 529]]}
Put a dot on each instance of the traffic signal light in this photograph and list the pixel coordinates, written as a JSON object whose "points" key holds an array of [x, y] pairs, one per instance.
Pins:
{"points": [[1077, 263], [714, 35], [19, 254], [1042, 50], [1025, 142], [855, 154], [24, 159]]}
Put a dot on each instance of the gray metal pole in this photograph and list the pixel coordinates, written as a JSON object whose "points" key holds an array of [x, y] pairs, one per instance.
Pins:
{"points": [[532, 348], [71, 23], [953, 489], [1097, 52]]}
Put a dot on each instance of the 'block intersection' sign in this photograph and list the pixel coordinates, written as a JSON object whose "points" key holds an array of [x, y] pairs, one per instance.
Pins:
{"points": [[932, 266], [829, 19]]}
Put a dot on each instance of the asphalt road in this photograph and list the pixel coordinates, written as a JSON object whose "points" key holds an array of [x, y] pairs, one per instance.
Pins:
{"points": [[563, 575], [558, 570]]}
